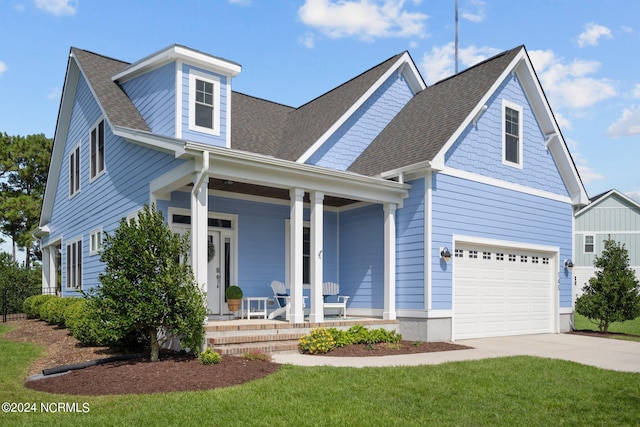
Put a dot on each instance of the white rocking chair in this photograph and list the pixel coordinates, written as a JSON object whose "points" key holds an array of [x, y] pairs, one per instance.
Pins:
{"points": [[332, 297]]}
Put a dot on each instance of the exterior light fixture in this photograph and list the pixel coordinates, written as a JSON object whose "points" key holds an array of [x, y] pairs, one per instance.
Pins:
{"points": [[568, 264], [445, 254]]}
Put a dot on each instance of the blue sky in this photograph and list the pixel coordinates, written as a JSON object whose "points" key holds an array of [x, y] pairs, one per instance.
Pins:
{"points": [[586, 54]]}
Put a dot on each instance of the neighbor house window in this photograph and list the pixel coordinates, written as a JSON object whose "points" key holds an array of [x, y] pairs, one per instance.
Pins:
{"points": [[204, 103], [96, 137], [74, 171], [588, 244], [512, 135], [74, 264], [95, 242]]}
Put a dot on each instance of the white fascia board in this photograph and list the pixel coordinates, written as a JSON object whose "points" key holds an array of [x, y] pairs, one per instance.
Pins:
{"points": [[266, 170], [178, 53], [163, 143], [173, 180], [415, 82], [409, 169], [60, 139], [606, 196], [42, 231]]}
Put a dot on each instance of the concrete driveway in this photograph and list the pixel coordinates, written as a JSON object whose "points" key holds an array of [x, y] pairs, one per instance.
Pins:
{"points": [[604, 353]]}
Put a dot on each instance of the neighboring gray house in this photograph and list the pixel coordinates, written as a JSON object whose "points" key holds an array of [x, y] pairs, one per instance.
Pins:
{"points": [[610, 214]]}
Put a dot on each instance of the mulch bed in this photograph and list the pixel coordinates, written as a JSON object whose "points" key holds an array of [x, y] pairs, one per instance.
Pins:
{"points": [[404, 347]]}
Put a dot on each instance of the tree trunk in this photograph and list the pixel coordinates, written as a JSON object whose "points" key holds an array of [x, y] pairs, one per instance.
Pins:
{"points": [[155, 347]]}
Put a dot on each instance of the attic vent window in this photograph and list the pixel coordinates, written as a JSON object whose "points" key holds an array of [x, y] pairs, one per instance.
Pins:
{"points": [[512, 135], [204, 103]]}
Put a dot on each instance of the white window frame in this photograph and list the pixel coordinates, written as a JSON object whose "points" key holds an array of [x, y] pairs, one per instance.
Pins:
{"points": [[75, 169], [95, 241], [73, 255], [215, 81], [593, 244], [100, 167], [506, 104]]}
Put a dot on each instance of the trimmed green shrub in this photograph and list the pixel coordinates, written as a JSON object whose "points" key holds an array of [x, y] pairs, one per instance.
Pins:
{"points": [[86, 326], [210, 357], [52, 311], [31, 306]]}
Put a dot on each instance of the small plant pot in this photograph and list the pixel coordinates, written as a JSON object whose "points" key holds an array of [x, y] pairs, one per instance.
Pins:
{"points": [[234, 304]]}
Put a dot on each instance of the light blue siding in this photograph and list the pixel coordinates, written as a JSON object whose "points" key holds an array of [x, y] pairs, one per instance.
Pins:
{"points": [[154, 95], [473, 209], [479, 148], [361, 248], [195, 136], [122, 189], [410, 244], [355, 135]]}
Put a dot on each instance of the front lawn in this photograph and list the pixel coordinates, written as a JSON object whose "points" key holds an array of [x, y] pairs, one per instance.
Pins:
{"points": [[506, 391], [629, 327]]}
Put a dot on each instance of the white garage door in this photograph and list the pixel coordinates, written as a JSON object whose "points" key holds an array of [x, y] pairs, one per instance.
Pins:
{"points": [[501, 291]]}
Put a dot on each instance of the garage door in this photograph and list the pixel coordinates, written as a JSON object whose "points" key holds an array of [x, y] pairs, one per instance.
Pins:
{"points": [[502, 291]]}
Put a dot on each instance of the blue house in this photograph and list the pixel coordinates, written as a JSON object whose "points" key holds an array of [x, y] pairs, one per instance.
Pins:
{"points": [[448, 207]]}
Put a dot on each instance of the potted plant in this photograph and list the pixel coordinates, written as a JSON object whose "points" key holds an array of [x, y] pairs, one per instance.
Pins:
{"points": [[234, 297]]}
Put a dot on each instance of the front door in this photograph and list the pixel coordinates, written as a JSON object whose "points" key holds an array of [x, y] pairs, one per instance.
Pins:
{"points": [[215, 284]]}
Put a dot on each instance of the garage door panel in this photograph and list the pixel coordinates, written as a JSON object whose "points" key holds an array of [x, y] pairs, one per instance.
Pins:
{"points": [[501, 291]]}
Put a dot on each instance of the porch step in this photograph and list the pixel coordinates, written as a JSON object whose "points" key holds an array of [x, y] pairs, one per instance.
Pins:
{"points": [[236, 337]]}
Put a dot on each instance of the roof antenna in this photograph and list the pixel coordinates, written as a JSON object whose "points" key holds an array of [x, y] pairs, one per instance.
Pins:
{"points": [[456, 43]]}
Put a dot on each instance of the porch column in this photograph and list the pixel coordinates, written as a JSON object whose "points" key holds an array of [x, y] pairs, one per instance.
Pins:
{"points": [[47, 266], [389, 312], [296, 222], [199, 224], [315, 254]]}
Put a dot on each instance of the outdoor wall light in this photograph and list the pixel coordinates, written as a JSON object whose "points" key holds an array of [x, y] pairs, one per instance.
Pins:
{"points": [[568, 264], [445, 254]]}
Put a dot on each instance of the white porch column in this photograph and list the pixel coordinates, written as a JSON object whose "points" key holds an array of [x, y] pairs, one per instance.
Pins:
{"points": [[47, 265], [315, 254], [199, 224], [389, 312], [296, 223]]}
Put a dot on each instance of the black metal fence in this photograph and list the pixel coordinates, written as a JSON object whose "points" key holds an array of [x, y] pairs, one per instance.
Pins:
{"points": [[12, 299]]}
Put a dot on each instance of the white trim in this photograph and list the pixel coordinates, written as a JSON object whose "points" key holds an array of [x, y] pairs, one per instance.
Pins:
{"points": [[428, 238], [179, 89], [404, 59], [95, 126], [95, 249], [584, 244], [483, 241], [606, 196], [565, 310], [215, 82], [72, 152], [79, 268], [440, 314], [505, 184], [608, 232], [508, 104], [228, 114]]}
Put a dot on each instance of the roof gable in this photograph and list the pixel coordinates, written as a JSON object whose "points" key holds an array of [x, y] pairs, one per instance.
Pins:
{"points": [[612, 196]]}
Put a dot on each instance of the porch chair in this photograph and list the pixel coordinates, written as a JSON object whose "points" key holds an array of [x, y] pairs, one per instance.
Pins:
{"points": [[281, 295], [333, 299]]}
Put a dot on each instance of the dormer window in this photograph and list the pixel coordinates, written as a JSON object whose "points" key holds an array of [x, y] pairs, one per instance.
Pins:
{"points": [[512, 135], [204, 103]]}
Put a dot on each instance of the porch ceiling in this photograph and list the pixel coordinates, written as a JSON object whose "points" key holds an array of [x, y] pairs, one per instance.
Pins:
{"points": [[271, 192]]}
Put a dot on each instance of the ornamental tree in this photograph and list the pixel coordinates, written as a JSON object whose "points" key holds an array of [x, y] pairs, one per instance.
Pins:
{"points": [[147, 288], [613, 295]]}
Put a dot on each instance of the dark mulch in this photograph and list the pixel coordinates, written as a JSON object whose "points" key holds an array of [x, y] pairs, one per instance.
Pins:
{"points": [[404, 347], [602, 334]]}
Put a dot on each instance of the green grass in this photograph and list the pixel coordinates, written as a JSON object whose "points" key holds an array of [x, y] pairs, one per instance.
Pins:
{"points": [[506, 391], [629, 327]]}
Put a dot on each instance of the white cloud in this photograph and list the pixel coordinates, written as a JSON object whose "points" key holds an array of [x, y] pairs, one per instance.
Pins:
{"points": [[365, 19], [478, 15], [627, 125], [587, 174], [57, 7], [636, 91], [241, 2], [592, 34], [440, 62], [308, 40], [568, 84], [3, 68], [54, 94], [563, 122], [635, 195]]}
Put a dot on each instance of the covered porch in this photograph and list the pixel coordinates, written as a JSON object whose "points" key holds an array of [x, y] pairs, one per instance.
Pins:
{"points": [[220, 186]]}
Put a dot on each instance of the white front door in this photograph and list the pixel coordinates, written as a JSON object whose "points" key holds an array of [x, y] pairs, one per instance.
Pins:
{"points": [[215, 288]]}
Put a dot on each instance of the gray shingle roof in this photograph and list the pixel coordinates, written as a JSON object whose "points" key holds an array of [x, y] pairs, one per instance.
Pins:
{"points": [[427, 122], [307, 124], [118, 108]]}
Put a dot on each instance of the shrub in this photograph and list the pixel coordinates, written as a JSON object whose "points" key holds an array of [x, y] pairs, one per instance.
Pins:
{"points": [[31, 306], [233, 292], [319, 340], [210, 357], [86, 326], [257, 355], [52, 311], [341, 337], [19, 282]]}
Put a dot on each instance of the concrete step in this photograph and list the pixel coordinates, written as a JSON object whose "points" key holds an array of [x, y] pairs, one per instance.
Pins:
{"points": [[271, 347]]}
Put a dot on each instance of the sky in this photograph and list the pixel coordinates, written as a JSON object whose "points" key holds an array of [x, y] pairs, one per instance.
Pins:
{"points": [[586, 55]]}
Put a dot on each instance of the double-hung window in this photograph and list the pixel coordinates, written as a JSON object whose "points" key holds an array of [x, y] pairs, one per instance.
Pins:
{"points": [[96, 138], [74, 171], [512, 135], [589, 245], [74, 264], [204, 103]]}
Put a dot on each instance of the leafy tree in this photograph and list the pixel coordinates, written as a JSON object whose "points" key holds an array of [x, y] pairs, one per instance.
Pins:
{"points": [[24, 166], [19, 282], [613, 295], [146, 286]]}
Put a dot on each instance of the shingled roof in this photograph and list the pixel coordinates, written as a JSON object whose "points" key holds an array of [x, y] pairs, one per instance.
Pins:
{"points": [[118, 108], [430, 118]]}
